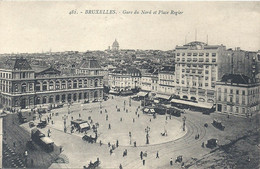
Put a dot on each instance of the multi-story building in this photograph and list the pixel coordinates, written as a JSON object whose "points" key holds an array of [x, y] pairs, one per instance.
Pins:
{"points": [[149, 81], [196, 71], [22, 86], [122, 79], [166, 82], [238, 94]]}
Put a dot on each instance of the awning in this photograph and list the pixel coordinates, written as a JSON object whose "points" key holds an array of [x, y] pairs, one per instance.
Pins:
{"points": [[142, 94], [84, 125], [202, 105], [146, 110], [47, 140], [163, 96], [113, 92]]}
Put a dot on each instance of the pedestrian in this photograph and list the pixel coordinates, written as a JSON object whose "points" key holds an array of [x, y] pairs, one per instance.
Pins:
{"points": [[143, 161], [126, 152], [52, 122], [111, 151], [138, 115], [157, 154], [106, 117], [141, 155], [120, 166], [79, 115], [121, 119], [117, 143], [109, 144], [60, 149], [109, 126], [31, 162], [100, 143], [100, 111], [171, 161], [202, 145], [133, 120], [14, 144], [150, 120], [135, 144]]}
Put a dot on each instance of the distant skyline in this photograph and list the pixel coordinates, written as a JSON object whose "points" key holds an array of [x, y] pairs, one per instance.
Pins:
{"points": [[41, 26]]}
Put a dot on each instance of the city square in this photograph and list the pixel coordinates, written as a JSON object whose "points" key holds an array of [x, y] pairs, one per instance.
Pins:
{"points": [[129, 85]]}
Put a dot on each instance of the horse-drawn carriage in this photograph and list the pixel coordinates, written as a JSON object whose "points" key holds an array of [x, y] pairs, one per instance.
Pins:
{"points": [[89, 138], [92, 165]]}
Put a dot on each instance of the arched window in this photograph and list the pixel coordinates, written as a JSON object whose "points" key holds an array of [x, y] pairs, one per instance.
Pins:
{"points": [[96, 94], [23, 87], [75, 84], [44, 86], [51, 85], [69, 84], [185, 97], [96, 82], [193, 98], [15, 88], [80, 83], [86, 95], [85, 83], [63, 84], [51, 99], [57, 85], [38, 86], [44, 100], [38, 100]]}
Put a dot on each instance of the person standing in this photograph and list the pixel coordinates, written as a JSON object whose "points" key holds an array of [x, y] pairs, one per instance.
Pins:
{"points": [[141, 155], [143, 161], [171, 161], [157, 154]]}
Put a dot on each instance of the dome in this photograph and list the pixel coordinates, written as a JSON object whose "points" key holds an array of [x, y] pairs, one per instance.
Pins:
{"points": [[115, 43]]}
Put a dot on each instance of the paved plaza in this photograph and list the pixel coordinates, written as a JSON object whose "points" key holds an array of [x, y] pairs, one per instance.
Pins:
{"points": [[78, 153]]}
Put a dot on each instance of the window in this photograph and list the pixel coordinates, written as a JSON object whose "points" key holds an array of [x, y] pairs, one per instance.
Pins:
{"points": [[207, 72], [183, 70], [201, 54], [237, 100], [243, 110], [243, 100], [231, 99], [80, 83], [206, 78], [206, 84], [57, 85], [225, 90], [195, 59], [182, 81], [237, 110], [207, 54], [201, 60], [183, 59], [30, 86], [44, 86], [225, 108], [69, 84], [231, 108], [63, 84], [189, 54], [243, 92], [193, 70], [231, 91], [213, 54], [51, 85], [214, 60], [75, 84], [219, 97], [183, 54], [225, 98], [178, 54], [194, 54]]}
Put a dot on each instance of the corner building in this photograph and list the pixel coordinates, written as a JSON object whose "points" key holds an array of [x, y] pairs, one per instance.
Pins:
{"points": [[197, 70], [22, 86]]}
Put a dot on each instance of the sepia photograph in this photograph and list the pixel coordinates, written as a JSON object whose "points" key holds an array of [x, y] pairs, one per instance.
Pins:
{"points": [[129, 85]]}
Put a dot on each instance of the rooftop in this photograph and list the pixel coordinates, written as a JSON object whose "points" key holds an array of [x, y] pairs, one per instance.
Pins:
{"points": [[236, 78]]}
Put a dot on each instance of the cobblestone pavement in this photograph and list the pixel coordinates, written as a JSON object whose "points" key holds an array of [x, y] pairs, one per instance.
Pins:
{"points": [[79, 153]]}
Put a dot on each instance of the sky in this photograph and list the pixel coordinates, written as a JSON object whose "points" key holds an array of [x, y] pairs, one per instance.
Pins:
{"points": [[44, 26]]}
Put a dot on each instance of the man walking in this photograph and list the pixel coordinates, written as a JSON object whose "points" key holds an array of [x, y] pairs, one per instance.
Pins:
{"points": [[141, 155], [157, 154]]}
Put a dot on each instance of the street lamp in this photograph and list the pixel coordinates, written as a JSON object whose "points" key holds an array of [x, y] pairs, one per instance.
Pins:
{"points": [[184, 119], [65, 118], [147, 130], [130, 135]]}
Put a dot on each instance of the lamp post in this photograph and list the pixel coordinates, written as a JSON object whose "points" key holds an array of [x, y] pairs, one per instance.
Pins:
{"points": [[184, 119], [147, 130], [65, 118], [130, 136]]}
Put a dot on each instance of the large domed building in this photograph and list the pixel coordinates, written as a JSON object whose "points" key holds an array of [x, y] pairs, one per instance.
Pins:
{"points": [[115, 46]]}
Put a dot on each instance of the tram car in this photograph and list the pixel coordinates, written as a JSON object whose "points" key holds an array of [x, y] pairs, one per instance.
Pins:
{"points": [[44, 142], [218, 124]]}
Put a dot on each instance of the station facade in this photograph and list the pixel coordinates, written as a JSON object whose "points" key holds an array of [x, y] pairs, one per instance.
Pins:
{"points": [[23, 87]]}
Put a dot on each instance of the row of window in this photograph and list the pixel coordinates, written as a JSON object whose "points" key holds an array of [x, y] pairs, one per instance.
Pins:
{"points": [[6, 75], [195, 60], [197, 54], [231, 91]]}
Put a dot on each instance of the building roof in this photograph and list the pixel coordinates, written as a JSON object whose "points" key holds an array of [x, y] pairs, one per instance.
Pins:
{"points": [[115, 43], [129, 70], [90, 63], [16, 64], [236, 78]]}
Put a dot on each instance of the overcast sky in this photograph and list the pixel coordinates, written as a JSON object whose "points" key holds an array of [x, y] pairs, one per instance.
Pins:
{"points": [[41, 26]]}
